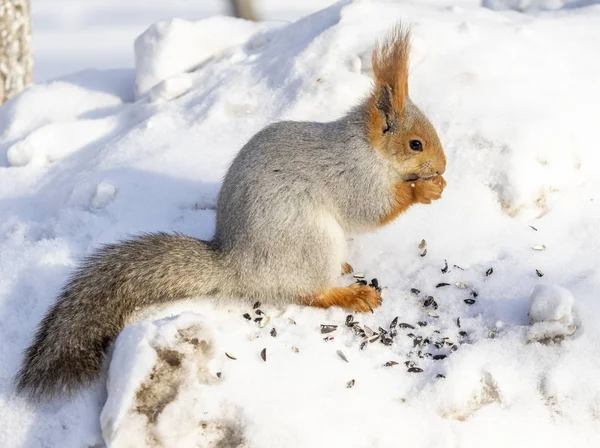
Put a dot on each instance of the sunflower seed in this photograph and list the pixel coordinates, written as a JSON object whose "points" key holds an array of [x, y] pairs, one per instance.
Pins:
{"points": [[410, 363], [540, 247], [263, 354], [539, 273], [291, 321], [432, 314], [258, 319], [374, 283], [458, 322], [445, 268], [461, 285], [373, 338], [428, 301], [422, 244], [390, 364], [264, 322], [295, 349], [441, 285], [405, 325], [358, 275], [247, 316], [341, 355], [415, 291], [394, 323], [489, 272], [439, 375], [423, 252], [218, 374], [464, 334], [422, 324], [273, 332], [363, 345], [469, 301], [258, 312], [230, 356], [328, 328], [438, 357], [350, 384], [368, 331], [387, 341], [415, 370], [256, 305], [349, 320], [383, 331]]}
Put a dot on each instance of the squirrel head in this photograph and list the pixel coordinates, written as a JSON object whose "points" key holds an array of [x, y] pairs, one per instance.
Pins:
{"points": [[397, 128]]}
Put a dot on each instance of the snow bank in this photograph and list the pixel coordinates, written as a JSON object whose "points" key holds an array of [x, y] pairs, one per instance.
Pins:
{"points": [[514, 98], [536, 5], [175, 46]]}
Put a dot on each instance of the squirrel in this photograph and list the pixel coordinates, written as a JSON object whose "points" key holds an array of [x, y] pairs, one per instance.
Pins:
{"points": [[287, 201]]}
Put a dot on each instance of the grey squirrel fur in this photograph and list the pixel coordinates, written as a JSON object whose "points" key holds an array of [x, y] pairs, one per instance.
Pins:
{"points": [[288, 200]]}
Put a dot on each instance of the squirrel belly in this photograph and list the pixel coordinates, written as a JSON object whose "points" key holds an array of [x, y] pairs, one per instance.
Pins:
{"points": [[283, 211]]}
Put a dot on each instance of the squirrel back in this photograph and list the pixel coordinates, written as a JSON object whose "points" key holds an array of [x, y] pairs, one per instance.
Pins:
{"points": [[283, 211]]}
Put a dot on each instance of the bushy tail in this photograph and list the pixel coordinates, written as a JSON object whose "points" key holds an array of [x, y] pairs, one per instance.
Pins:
{"points": [[93, 307]]}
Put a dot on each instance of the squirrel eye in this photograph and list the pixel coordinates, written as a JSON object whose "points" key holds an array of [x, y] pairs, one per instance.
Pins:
{"points": [[416, 145]]}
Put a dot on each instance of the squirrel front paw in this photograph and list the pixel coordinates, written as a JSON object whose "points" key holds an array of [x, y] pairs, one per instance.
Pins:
{"points": [[427, 190]]}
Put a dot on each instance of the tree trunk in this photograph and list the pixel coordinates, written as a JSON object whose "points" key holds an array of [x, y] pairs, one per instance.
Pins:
{"points": [[243, 9], [16, 64]]}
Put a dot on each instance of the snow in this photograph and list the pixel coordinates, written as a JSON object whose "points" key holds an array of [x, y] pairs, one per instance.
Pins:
{"points": [[514, 98]]}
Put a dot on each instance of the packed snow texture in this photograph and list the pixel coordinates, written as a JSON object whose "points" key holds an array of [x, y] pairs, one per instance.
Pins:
{"points": [[514, 98]]}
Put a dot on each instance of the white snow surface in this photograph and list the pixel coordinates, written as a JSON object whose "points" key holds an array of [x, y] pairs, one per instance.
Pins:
{"points": [[514, 98]]}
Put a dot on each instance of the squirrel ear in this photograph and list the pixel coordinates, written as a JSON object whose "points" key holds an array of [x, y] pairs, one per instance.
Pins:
{"points": [[390, 69], [385, 107]]}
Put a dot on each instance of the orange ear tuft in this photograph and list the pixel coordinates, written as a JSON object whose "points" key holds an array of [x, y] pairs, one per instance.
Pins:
{"points": [[390, 69]]}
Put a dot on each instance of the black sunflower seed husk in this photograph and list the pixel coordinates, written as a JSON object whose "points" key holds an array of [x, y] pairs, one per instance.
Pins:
{"points": [[438, 357], [445, 268], [489, 272], [256, 305], [394, 323], [386, 341], [328, 328], [441, 285], [415, 291], [247, 316], [415, 370], [405, 325], [349, 320], [469, 301]]}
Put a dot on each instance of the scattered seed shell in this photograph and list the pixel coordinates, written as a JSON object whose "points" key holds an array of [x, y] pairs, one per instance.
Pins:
{"points": [[469, 301], [539, 247], [422, 324], [247, 316], [423, 253], [373, 338], [358, 275], [394, 323], [291, 321], [539, 273], [458, 322], [415, 370], [438, 357], [327, 328], [273, 332], [350, 384], [441, 285], [363, 345], [390, 364], [445, 268], [295, 349], [415, 291], [341, 355], [368, 331], [386, 341], [422, 244], [405, 325], [439, 375], [432, 314], [328, 338], [256, 305], [534, 228], [489, 272], [349, 320], [263, 354], [264, 322], [218, 374], [461, 285], [230, 356]]}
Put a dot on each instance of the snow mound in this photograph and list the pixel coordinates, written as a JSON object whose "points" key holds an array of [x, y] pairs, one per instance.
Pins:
{"points": [[551, 313], [159, 389], [514, 98], [175, 46], [536, 5]]}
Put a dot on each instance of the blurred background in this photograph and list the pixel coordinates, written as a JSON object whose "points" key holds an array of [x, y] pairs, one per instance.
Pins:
{"points": [[71, 35]]}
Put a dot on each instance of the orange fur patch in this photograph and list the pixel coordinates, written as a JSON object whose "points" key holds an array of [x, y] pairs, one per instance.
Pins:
{"points": [[403, 199], [355, 297]]}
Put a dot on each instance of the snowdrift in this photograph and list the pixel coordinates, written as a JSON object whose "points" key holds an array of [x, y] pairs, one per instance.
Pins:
{"points": [[88, 159]]}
